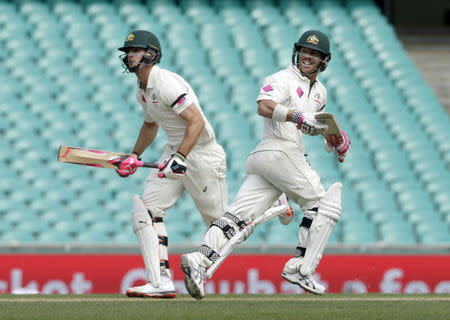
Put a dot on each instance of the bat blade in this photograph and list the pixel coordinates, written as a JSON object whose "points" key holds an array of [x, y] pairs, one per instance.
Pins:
{"points": [[98, 158], [88, 157], [333, 134]]}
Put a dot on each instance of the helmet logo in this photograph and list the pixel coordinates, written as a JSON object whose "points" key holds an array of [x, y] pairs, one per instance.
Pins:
{"points": [[130, 37], [312, 39]]}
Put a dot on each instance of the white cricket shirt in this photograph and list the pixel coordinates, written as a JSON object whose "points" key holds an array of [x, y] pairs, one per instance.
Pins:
{"points": [[289, 88], [166, 96]]}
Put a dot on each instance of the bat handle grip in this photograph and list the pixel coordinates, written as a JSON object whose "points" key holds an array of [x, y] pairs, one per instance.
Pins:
{"points": [[150, 165]]}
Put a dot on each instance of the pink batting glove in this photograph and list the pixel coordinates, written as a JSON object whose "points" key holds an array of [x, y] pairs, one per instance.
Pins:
{"points": [[343, 148], [127, 165]]}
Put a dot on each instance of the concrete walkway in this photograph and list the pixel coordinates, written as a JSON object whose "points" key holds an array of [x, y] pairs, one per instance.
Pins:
{"points": [[430, 50]]}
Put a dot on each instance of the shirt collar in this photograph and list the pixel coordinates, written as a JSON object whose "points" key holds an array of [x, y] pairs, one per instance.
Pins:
{"points": [[152, 76], [298, 73]]}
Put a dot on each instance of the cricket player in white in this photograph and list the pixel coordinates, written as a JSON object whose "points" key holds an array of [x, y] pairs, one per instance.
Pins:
{"points": [[288, 101], [192, 159]]}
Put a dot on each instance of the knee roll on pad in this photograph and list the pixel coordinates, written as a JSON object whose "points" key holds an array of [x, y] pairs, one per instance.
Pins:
{"points": [[331, 209]]}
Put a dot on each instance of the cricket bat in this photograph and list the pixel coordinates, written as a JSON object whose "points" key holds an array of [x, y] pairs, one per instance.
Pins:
{"points": [[97, 158], [333, 134]]}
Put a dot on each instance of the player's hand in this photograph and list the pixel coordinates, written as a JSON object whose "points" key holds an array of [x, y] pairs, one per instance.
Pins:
{"points": [[174, 168], [328, 147], [343, 148], [127, 165], [307, 123], [287, 215]]}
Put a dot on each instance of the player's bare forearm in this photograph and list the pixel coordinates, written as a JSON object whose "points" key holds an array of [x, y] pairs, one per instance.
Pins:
{"points": [[191, 135], [146, 136], [266, 108], [194, 126]]}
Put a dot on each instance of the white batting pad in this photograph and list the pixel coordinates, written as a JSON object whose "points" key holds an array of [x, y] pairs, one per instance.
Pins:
{"points": [[241, 235], [329, 213], [148, 240]]}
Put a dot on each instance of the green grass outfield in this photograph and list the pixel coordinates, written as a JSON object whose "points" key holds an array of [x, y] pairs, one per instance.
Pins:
{"points": [[229, 307]]}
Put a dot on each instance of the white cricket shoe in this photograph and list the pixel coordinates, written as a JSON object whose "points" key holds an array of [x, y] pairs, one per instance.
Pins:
{"points": [[165, 291], [286, 216], [194, 276], [305, 282]]}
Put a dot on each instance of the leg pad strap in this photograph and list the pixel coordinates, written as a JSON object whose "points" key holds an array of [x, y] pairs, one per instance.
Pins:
{"points": [[306, 222], [299, 252], [235, 219], [164, 263], [208, 252], [227, 230], [163, 240]]}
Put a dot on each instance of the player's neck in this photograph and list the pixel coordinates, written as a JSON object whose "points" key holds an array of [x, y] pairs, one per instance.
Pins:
{"points": [[312, 77], [142, 75]]}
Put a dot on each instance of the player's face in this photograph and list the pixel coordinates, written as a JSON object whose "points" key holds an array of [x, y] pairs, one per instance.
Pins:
{"points": [[134, 56], [309, 60]]}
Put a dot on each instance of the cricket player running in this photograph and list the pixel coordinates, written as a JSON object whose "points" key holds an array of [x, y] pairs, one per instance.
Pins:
{"points": [[288, 102], [192, 160]]}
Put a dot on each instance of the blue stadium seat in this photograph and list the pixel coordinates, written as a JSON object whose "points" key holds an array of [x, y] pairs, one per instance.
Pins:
{"points": [[17, 238], [92, 237], [70, 89], [55, 237]]}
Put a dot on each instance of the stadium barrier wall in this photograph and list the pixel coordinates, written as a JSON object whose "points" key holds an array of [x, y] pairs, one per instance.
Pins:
{"points": [[242, 273]]}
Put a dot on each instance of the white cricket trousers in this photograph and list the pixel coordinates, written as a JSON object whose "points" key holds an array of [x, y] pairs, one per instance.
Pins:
{"points": [[276, 166], [205, 181]]}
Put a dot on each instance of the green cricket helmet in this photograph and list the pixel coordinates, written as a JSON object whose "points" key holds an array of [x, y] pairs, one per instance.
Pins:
{"points": [[314, 40], [145, 40]]}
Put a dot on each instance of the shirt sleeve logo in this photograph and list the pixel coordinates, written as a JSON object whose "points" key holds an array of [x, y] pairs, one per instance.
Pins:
{"points": [[267, 88], [179, 101]]}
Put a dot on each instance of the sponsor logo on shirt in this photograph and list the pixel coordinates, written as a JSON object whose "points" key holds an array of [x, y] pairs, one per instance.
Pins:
{"points": [[154, 98], [317, 97]]}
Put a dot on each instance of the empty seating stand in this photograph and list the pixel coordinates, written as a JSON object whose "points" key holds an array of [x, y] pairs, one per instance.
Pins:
{"points": [[62, 83]]}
